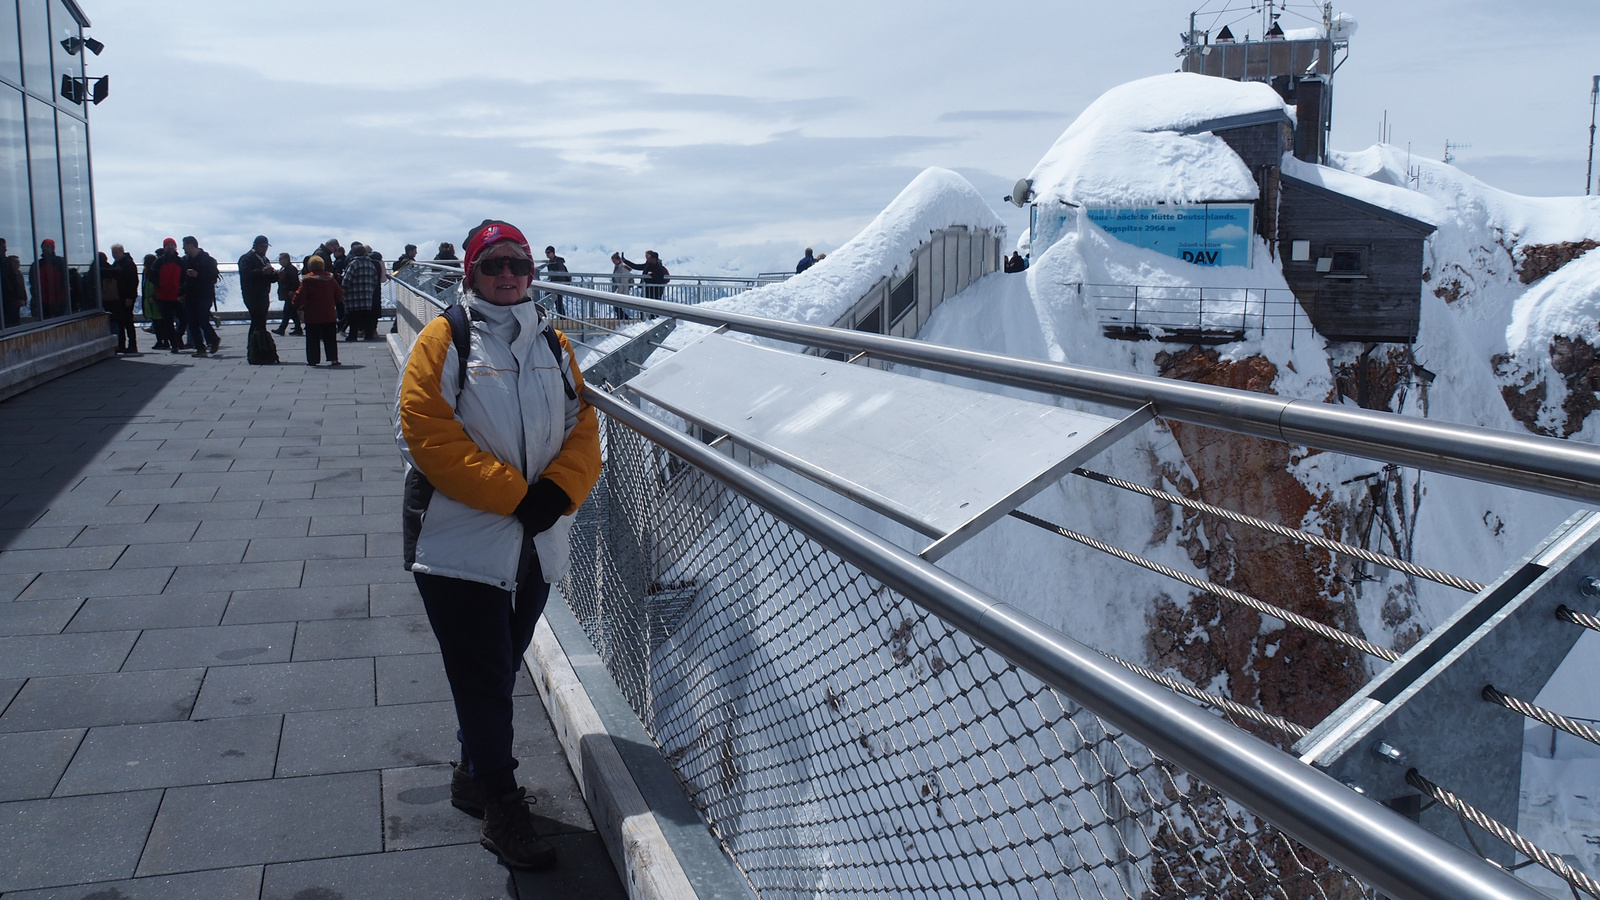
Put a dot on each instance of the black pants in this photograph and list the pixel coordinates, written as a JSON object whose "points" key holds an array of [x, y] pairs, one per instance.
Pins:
{"points": [[127, 332], [322, 336], [290, 314], [483, 632], [361, 323], [198, 311], [259, 307]]}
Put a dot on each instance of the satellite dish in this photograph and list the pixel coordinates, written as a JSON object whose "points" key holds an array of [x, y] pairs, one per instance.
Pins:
{"points": [[1020, 192]]}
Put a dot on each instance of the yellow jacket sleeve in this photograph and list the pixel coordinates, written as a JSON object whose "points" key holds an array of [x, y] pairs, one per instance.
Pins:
{"points": [[440, 447], [577, 467]]}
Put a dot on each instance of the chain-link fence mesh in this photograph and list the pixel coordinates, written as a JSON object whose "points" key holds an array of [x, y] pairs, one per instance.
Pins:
{"points": [[841, 742]]}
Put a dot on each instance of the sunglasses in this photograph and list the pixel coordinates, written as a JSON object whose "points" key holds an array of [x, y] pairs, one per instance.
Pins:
{"points": [[497, 264]]}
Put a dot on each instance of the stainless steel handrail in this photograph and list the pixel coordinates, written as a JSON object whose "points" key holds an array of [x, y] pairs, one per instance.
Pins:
{"points": [[1386, 850], [1527, 462]]}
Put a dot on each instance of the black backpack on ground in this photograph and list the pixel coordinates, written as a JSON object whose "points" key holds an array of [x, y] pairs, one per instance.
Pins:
{"points": [[260, 349]]}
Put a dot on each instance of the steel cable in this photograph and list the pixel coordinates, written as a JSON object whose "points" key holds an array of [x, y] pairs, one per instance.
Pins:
{"points": [[1517, 842], [1390, 562], [1223, 703], [1260, 606], [1540, 714], [1567, 614]]}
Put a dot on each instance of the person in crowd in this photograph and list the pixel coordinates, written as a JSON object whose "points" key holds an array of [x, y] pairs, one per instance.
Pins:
{"points": [[256, 278], [621, 282], [48, 281], [406, 258], [555, 268], [10, 298], [337, 259], [1015, 262], [102, 274], [125, 273], [447, 254], [19, 285], [377, 308], [153, 311], [495, 468], [318, 299], [169, 292], [362, 284], [288, 283], [199, 292], [655, 274], [805, 262]]}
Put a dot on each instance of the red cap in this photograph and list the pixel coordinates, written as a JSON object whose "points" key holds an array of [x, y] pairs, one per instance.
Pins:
{"points": [[47, 243], [490, 232], [169, 242]]}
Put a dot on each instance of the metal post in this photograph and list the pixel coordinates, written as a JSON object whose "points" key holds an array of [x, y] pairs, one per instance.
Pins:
{"points": [[1594, 94]]}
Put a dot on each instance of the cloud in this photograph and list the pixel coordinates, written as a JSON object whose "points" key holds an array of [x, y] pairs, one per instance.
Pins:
{"points": [[999, 115], [1227, 233]]}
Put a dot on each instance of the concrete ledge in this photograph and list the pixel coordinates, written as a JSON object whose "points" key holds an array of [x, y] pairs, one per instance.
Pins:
{"points": [[659, 844], [52, 353]]}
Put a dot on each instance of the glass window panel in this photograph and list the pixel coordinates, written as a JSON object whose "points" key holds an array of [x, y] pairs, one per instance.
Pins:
{"points": [[36, 71], [16, 216], [64, 26], [10, 43], [49, 281], [78, 224]]}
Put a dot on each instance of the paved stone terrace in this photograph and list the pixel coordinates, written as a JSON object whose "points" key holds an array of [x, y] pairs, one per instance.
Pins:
{"points": [[216, 680]]}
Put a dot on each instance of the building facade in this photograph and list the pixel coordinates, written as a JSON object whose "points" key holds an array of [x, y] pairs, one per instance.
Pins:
{"points": [[50, 318]]}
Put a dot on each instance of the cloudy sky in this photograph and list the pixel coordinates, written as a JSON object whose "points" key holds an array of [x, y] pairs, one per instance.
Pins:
{"points": [[726, 135]]}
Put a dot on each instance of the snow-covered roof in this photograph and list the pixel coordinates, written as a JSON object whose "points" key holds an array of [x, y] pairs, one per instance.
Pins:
{"points": [[1384, 198], [1152, 140]]}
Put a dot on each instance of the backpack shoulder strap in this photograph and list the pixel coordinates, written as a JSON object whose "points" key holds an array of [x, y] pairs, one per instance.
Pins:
{"points": [[555, 348], [461, 335]]}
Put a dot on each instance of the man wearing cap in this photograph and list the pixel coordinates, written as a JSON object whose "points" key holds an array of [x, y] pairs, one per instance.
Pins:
{"points": [[167, 276], [256, 278], [199, 290]]}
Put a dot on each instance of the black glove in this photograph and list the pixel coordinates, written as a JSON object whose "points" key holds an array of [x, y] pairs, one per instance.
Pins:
{"points": [[542, 506]]}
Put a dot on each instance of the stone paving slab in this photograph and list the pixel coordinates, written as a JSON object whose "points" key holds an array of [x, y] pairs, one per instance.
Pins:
{"points": [[286, 688], [218, 645], [37, 616], [219, 884], [216, 678], [288, 819], [72, 840], [174, 610], [35, 761], [342, 601], [172, 754], [98, 583], [124, 698]]}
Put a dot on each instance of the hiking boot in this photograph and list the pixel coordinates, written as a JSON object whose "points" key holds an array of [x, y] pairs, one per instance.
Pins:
{"points": [[465, 793], [198, 354], [279, 330], [215, 346], [508, 833]]}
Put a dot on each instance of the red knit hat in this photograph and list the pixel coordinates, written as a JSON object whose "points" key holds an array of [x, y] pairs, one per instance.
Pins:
{"points": [[488, 233]]}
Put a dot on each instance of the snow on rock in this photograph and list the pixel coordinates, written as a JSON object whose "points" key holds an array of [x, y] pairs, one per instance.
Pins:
{"points": [[1133, 146], [1565, 303]]}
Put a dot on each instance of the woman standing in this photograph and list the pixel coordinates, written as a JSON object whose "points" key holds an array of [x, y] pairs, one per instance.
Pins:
{"points": [[500, 450], [318, 299]]}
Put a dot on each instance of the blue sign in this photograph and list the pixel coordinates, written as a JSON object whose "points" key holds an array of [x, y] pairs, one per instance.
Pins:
{"points": [[1207, 234]]}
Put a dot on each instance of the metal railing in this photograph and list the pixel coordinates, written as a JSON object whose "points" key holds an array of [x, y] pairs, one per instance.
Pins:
{"points": [[437, 278], [1204, 315], [1527, 462], [854, 721], [830, 704]]}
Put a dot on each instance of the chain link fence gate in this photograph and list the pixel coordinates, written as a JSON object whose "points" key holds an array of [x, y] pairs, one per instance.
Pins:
{"points": [[841, 742]]}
